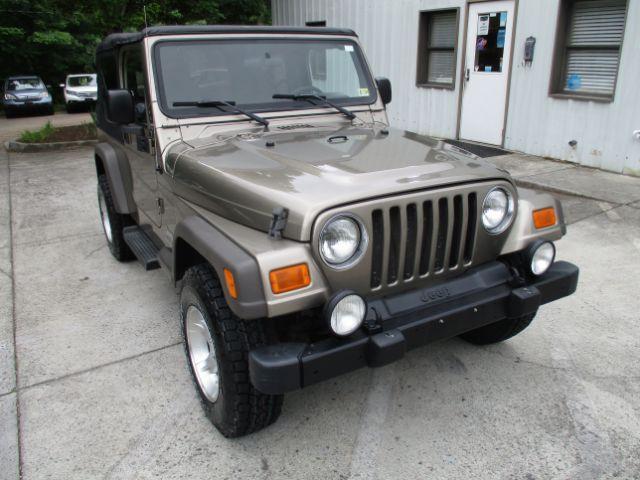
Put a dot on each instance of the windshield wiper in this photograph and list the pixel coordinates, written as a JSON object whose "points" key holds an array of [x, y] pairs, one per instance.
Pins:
{"points": [[220, 103], [309, 97]]}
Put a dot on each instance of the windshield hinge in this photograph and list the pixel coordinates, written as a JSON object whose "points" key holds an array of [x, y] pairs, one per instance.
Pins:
{"points": [[278, 222]]}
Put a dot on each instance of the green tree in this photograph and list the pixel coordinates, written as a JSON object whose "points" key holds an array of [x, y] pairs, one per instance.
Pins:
{"points": [[52, 38]]}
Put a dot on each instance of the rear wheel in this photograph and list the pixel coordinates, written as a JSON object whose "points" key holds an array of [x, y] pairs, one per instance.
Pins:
{"points": [[217, 344], [499, 331], [113, 222]]}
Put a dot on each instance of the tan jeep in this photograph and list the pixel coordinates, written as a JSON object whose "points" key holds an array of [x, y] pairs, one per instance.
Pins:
{"points": [[306, 236]]}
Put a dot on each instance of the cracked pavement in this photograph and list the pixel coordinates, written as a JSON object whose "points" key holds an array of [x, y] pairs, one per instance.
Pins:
{"points": [[94, 383]]}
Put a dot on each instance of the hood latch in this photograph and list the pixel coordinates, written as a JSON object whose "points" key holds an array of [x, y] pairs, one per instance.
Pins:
{"points": [[278, 222]]}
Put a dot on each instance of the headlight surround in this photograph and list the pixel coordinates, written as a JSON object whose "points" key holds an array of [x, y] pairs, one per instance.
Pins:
{"points": [[342, 241], [498, 208], [43, 95], [10, 96]]}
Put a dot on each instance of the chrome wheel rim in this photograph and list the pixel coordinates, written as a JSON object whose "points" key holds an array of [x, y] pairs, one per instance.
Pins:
{"points": [[202, 353], [104, 216]]}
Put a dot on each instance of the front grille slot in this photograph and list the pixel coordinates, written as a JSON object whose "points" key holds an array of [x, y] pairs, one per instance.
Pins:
{"points": [[394, 245], [421, 239], [441, 240], [427, 231], [412, 231], [377, 248], [456, 238], [470, 236]]}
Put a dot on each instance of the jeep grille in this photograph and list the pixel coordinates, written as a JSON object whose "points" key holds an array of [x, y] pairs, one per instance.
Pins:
{"points": [[422, 238]]}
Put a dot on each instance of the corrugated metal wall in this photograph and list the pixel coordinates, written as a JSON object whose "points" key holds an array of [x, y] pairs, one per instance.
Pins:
{"points": [[536, 124], [541, 125]]}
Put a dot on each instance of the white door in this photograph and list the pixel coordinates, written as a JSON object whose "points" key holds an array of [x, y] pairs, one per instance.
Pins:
{"points": [[486, 71]]}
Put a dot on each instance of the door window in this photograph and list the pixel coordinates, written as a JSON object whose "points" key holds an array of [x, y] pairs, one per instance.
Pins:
{"points": [[133, 74], [492, 29]]}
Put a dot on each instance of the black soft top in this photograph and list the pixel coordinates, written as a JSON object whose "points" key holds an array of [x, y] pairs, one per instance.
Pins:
{"points": [[117, 39]]}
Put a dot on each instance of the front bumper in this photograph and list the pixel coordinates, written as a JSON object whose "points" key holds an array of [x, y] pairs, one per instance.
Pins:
{"points": [[19, 105], [76, 99], [408, 320]]}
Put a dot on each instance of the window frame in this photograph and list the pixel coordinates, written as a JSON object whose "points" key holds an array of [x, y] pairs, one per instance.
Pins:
{"points": [[422, 63], [559, 60]]}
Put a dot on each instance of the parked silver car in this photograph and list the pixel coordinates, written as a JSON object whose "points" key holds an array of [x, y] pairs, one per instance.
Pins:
{"points": [[26, 93]]}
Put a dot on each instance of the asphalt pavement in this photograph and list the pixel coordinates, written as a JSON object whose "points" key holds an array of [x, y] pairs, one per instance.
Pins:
{"points": [[94, 382]]}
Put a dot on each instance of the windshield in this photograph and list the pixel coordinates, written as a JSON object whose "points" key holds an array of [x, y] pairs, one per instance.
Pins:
{"points": [[250, 72], [15, 84], [82, 81]]}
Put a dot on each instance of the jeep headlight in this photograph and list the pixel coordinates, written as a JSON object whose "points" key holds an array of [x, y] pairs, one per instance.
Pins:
{"points": [[497, 210], [343, 239]]}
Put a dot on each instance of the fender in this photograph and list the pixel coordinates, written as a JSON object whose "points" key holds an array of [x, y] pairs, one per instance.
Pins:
{"points": [[523, 233], [115, 165], [195, 240]]}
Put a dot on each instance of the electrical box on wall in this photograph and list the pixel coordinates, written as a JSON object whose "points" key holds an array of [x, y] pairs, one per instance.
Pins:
{"points": [[529, 47]]}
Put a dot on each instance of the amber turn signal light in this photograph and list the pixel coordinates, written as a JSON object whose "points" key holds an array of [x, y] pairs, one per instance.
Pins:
{"points": [[545, 217], [231, 283], [289, 278]]}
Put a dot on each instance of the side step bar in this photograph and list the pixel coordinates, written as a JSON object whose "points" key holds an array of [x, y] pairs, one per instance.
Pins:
{"points": [[141, 246]]}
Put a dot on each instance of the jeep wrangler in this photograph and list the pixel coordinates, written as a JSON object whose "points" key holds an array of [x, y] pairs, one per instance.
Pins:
{"points": [[307, 238]]}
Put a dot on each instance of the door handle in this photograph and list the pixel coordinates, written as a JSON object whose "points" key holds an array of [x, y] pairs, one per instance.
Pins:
{"points": [[466, 75]]}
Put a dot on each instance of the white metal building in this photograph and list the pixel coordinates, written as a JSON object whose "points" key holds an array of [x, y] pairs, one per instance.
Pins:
{"points": [[556, 78]]}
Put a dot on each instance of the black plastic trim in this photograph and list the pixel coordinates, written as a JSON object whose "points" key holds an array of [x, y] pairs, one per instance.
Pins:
{"points": [[117, 39], [221, 252], [481, 297]]}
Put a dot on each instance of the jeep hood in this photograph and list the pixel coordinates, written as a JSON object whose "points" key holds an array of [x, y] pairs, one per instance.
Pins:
{"points": [[244, 177]]}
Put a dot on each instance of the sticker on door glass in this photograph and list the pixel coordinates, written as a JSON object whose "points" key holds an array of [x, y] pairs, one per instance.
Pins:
{"points": [[348, 48], [490, 42], [483, 25], [363, 92]]}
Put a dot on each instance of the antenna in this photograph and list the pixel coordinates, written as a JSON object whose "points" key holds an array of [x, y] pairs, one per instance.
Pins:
{"points": [[144, 10]]}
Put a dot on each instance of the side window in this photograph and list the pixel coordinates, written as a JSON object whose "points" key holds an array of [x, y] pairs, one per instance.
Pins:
{"points": [[107, 70], [437, 48], [588, 47], [133, 80]]}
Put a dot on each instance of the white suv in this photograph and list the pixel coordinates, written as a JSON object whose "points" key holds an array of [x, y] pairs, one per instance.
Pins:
{"points": [[79, 90]]}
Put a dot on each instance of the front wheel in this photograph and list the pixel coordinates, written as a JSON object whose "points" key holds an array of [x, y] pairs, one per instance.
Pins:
{"points": [[499, 331], [217, 344]]}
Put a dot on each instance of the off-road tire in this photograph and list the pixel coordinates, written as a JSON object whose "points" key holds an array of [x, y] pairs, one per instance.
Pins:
{"points": [[499, 331], [240, 409], [119, 249]]}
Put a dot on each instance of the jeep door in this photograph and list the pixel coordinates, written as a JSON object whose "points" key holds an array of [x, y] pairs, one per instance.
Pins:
{"points": [[136, 137]]}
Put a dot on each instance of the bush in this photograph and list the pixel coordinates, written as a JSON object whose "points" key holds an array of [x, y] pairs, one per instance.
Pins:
{"points": [[48, 133], [39, 136]]}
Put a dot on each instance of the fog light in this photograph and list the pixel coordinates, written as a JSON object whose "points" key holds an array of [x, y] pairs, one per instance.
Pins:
{"points": [[542, 255], [345, 313]]}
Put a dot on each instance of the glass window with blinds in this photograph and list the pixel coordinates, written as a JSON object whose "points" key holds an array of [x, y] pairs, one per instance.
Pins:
{"points": [[591, 52], [437, 48]]}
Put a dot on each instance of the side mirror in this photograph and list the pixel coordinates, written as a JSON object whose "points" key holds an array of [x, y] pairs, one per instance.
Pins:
{"points": [[120, 106], [384, 87]]}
